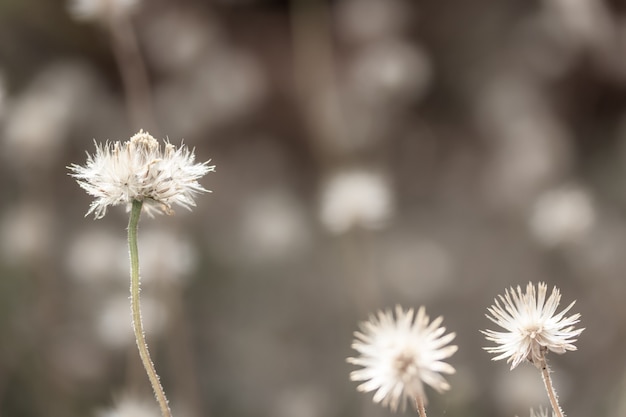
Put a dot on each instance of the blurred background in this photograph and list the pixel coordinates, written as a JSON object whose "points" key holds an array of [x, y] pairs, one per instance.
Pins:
{"points": [[368, 152]]}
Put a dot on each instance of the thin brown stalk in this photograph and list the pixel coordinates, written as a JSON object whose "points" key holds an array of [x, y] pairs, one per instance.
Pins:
{"points": [[547, 380], [421, 408]]}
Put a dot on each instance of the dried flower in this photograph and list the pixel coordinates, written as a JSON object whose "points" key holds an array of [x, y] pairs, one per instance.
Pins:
{"points": [[139, 169], [532, 326], [398, 356]]}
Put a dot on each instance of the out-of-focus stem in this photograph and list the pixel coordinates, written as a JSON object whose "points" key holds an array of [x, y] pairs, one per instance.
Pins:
{"points": [[314, 71], [133, 72]]}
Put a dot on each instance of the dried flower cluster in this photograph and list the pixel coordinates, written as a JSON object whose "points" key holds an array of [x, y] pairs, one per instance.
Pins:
{"points": [[140, 169]]}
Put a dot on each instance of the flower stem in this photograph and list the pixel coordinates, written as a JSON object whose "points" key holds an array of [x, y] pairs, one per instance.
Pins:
{"points": [[547, 380], [133, 72], [136, 310], [421, 409]]}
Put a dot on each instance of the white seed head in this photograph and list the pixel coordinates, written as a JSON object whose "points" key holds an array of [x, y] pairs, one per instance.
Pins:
{"points": [[399, 355], [141, 170], [532, 326]]}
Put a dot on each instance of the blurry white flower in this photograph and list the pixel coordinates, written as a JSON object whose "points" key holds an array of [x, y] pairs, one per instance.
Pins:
{"points": [[102, 10], [390, 70], [355, 198], [38, 120], [26, 233], [531, 145], [130, 406], [399, 355], [42, 117], [532, 326], [561, 216], [138, 169], [166, 256], [97, 255], [112, 323], [302, 401], [581, 22], [333, 107], [176, 42], [36, 124], [224, 87], [273, 226], [233, 82]]}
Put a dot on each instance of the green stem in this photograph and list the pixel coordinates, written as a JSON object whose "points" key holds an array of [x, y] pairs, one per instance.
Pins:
{"points": [[136, 310]]}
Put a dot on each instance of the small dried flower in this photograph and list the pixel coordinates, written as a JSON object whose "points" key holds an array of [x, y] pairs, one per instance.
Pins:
{"points": [[398, 356], [532, 326], [139, 169]]}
